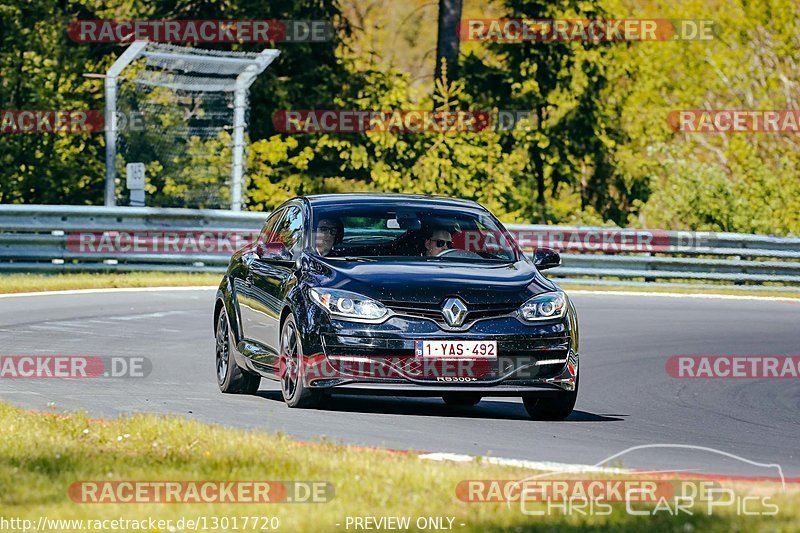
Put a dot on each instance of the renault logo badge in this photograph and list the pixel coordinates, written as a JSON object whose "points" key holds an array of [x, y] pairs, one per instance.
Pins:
{"points": [[454, 312]]}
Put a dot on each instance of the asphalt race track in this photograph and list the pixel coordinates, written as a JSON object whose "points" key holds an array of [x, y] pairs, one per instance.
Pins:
{"points": [[626, 399]]}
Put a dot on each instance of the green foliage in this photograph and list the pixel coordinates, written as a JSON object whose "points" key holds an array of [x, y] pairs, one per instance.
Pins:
{"points": [[747, 182], [599, 149], [40, 69]]}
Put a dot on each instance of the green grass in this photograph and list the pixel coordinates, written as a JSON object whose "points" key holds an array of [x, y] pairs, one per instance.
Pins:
{"points": [[42, 455], [10, 283]]}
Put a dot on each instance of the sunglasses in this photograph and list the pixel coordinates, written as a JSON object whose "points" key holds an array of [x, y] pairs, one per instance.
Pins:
{"points": [[327, 229], [441, 243]]}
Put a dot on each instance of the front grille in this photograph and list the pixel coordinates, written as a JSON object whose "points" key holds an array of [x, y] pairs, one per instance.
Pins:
{"points": [[434, 311], [416, 310]]}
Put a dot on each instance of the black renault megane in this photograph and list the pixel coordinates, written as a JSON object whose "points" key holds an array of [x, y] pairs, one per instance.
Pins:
{"points": [[399, 295]]}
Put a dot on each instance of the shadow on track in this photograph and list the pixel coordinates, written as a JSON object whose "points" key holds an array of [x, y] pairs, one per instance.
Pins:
{"points": [[433, 406]]}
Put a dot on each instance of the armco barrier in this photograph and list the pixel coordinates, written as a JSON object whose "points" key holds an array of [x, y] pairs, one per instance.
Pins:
{"points": [[47, 238]]}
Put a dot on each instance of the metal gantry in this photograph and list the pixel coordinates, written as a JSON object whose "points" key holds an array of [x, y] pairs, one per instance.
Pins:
{"points": [[190, 69]]}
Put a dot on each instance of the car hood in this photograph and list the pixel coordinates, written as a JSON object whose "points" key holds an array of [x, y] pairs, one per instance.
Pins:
{"points": [[432, 281]]}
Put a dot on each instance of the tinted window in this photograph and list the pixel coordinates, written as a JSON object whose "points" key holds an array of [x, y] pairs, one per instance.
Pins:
{"points": [[269, 226], [290, 230]]}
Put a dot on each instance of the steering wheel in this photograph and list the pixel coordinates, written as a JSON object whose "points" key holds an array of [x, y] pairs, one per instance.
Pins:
{"points": [[457, 252], [447, 252]]}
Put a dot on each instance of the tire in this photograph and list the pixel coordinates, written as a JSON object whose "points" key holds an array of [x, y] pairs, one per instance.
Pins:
{"points": [[230, 377], [462, 399], [555, 407], [292, 374]]}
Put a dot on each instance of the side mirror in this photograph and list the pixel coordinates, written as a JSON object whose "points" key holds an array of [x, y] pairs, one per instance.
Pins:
{"points": [[545, 258], [275, 251]]}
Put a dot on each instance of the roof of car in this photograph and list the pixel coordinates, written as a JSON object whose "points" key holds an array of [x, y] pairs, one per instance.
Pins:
{"points": [[371, 198]]}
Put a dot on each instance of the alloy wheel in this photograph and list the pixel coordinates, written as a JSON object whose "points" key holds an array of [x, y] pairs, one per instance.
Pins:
{"points": [[289, 361], [222, 354]]}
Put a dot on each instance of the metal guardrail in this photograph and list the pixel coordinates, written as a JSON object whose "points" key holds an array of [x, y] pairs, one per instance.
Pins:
{"points": [[47, 238]]}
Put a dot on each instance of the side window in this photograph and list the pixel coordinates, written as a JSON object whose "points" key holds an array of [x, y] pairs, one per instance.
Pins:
{"points": [[290, 230], [268, 233]]}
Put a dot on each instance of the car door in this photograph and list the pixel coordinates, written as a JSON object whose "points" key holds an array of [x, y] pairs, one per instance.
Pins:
{"points": [[270, 276], [251, 311]]}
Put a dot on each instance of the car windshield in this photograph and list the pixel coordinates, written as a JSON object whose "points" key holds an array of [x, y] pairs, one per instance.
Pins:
{"points": [[374, 231]]}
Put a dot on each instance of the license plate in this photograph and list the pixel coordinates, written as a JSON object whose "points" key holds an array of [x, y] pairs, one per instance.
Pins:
{"points": [[460, 349]]}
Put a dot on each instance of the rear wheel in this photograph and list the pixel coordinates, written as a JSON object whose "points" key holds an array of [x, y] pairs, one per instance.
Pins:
{"points": [[461, 399], [293, 388], [230, 377], [552, 407]]}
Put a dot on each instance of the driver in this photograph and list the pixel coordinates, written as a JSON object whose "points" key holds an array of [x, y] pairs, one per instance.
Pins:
{"points": [[437, 241], [329, 231]]}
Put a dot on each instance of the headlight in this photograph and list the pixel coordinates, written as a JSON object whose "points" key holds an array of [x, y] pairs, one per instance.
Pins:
{"points": [[545, 306], [348, 305]]}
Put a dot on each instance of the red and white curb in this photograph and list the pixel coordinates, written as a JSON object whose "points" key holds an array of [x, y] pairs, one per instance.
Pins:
{"points": [[528, 465], [570, 468]]}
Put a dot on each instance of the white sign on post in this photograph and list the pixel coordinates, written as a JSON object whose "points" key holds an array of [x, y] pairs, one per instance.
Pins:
{"points": [[134, 173], [134, 179]]}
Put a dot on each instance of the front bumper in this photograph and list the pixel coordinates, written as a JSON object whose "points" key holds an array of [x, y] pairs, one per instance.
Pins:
{"points": [[380, 358], [565, 381]]}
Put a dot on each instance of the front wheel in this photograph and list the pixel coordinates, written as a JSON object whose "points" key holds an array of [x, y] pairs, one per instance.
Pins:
{"points": [[554, 407], [292, 374], [230, 377]]}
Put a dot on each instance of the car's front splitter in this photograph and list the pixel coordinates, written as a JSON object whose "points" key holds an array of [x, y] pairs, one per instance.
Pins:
{"points": [[509, 385]]}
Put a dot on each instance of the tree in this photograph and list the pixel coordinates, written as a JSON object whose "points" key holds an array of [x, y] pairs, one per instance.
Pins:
{"points": [[558, 83], [448, 38], [43, 70]]}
